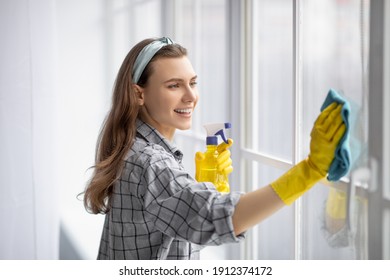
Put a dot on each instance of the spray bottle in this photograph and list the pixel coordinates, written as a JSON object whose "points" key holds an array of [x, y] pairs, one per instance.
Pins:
{"points": [[208, 171]]}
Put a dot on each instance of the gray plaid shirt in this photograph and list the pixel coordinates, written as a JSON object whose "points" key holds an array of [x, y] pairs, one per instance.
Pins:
{"points": [[158, 211]]}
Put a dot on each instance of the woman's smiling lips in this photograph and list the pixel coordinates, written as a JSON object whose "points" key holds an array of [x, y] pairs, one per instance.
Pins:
{"points": [[184, 112]]}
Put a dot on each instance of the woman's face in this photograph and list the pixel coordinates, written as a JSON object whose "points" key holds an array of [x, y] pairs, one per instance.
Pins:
{"points": [[170, 96]]}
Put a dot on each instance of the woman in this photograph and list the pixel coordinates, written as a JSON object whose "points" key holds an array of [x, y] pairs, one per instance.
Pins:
{"points": [[154, 208]]}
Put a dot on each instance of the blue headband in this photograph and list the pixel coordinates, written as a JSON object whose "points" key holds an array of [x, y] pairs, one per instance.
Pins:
{"points": [[146, 55]]}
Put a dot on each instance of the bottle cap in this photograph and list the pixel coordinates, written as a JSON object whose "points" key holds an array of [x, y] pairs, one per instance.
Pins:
{"points": [[211, 140]]}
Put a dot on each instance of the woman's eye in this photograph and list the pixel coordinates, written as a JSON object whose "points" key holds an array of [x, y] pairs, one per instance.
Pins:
{"points": [[173, 86], [194, 83]]}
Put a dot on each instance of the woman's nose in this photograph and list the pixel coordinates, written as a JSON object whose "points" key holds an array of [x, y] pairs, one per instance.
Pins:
{"points": [[190, 95]]}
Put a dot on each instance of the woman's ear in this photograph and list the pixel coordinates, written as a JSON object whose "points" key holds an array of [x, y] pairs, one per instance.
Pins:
{"points": [[139, 93]]}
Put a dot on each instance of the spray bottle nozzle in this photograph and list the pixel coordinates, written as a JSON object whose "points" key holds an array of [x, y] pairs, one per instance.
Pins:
{"points": [[215, 129]]}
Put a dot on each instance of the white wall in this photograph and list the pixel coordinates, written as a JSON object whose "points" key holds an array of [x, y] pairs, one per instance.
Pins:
{"points": [[83, 97], [29, 216], [54, 91]]}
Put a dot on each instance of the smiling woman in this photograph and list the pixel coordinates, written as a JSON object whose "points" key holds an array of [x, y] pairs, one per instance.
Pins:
{"points": [[154, 208]]}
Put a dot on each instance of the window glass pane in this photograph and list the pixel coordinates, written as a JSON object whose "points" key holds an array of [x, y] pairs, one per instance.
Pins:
{"points": [[203, 32], [207, 51], [325, 219], [274, 237], [334, 55], [334, 50], [271, 98], [214, 95]]}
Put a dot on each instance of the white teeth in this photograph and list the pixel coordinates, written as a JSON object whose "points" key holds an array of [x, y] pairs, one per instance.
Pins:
{"points": [[187, 111]]}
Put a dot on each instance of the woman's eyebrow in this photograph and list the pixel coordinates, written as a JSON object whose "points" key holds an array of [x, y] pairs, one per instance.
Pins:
{"points": [[180, 79]]}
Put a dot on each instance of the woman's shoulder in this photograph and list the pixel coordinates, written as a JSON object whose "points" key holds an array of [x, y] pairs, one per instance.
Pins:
{"points": [[143, 151]]}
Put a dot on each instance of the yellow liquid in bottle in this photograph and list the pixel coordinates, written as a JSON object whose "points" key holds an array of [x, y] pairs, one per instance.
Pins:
{"points": [[209, 173]]}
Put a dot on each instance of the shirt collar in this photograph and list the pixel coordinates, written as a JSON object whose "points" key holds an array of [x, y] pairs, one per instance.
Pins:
{"points": [[151, 135]]}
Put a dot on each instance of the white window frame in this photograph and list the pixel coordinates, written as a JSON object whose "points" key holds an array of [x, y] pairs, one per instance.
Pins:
{"points": [[378, 199]]}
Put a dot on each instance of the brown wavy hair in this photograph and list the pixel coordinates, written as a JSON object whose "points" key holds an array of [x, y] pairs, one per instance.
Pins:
{"points": [[119, 130]]}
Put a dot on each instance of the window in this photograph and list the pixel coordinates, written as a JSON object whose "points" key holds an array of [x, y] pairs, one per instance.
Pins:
{"points": [[269, 136], [299, 53], [334, 55], [301, 49]]}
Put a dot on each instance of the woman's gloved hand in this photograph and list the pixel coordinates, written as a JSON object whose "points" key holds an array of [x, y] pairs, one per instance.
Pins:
{"points": [[327, 131], [224, 162]]}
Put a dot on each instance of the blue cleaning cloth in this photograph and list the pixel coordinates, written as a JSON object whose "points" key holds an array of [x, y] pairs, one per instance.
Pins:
{"points": [[342, 161]]}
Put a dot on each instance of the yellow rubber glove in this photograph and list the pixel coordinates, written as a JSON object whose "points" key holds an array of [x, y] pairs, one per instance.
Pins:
{"points": [[224, 162], [327, 131]]}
